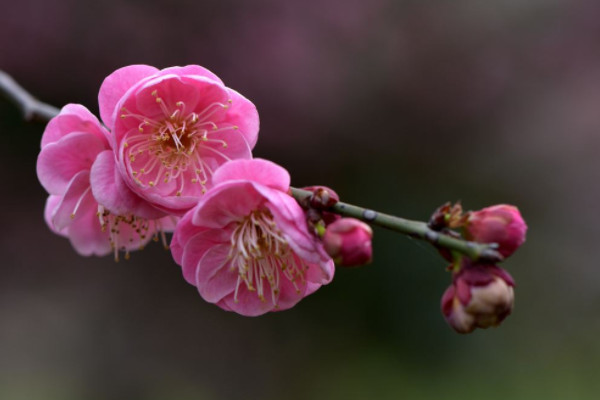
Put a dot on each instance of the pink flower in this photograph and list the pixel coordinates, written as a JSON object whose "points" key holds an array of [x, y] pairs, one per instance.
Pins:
{"points": [[348, 242], [501, 224], [480, 296], [74, 166], [246, 246], [172, 128]]}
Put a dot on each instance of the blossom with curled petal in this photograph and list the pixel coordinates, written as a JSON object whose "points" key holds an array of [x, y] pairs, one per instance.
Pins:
{"points": [[246, 246], [76, 166], [172, 128]]}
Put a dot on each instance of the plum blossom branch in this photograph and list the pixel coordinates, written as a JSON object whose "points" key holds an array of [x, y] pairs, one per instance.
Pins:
{"points": [[417, 229], [247, 244], [31, 108]]}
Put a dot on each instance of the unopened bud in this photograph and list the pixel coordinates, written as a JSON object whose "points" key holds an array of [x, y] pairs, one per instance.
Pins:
{"points": [[447, 215], [480, 296], [322, 197], [348, 242], [501, 224]]}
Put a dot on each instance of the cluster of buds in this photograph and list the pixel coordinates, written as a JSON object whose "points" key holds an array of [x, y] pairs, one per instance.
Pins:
{"points": [[346, 240], [481, 294]]}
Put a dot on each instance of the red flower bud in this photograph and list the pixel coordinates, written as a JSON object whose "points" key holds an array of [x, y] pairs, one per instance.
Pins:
{"points": [[480, 296], [500, 224], [322, 197], [348, 242]]}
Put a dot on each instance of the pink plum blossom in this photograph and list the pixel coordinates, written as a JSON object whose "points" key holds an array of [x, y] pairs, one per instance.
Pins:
{"points": [[246, 245], [172, 128], [76, 166]]}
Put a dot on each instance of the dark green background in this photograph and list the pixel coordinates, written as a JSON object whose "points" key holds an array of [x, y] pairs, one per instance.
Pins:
{"points": [[399, 106]]}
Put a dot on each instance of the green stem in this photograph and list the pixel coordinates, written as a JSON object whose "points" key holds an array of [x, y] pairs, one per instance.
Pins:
{"points": [[417, 229]]}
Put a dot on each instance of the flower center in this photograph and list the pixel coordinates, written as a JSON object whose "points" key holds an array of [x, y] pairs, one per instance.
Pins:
{"points": [[124, 230], [263, 257], [173, 146]]}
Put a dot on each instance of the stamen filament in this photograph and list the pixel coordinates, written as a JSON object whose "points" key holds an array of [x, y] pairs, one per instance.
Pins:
{"points": [[261, 255]]}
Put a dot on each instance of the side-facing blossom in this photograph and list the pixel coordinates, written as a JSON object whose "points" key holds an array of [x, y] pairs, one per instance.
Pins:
{"points": [[480, 296], [172, 128], [69, 170], [246, 246]]}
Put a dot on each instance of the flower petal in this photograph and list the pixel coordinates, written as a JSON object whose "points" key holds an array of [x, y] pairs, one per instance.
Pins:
{"points": [[291, 220], [214, 277], [257, 170], [216, 153], [248, 303], [242, 112], [60, 161], [320, 274], [73, 118], [227, 203], [76, 202], [289, 296], [87, 237], [51, 204], [196, 92], [191, 70], [111, 191], [184, 231], [116, 85], [196, 247]]}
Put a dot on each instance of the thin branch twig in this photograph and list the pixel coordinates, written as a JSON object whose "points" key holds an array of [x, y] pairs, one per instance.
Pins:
{"points": [[417, 229], [31, 108]]}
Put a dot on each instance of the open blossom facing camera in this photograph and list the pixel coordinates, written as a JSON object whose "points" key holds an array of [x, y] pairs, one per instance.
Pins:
{"points": [[246, 245], [173, 128], [69, 168]]}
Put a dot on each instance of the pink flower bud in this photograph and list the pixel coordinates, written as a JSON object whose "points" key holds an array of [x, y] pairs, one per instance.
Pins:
{"points": [[348, 242], [501, 224], [481, 296]]}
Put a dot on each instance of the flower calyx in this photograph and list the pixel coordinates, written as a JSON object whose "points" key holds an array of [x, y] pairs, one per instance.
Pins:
{"points": [[448, 215]]}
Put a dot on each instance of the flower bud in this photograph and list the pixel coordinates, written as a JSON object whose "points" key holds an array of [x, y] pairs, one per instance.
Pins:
{"points": [[348, 242], [501, 224], [480, 296], [447, 215], [322, 197]]}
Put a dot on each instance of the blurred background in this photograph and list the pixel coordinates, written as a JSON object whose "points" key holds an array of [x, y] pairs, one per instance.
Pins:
{"points": [[398, 105]]}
